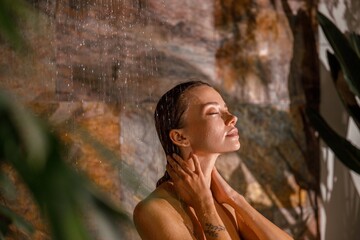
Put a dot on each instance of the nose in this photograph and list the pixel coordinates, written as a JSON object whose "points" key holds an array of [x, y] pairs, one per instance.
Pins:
{"points": [[231, 119]]}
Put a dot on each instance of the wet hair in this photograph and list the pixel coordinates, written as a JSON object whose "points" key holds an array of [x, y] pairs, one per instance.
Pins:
{"points": [[169, 115]]}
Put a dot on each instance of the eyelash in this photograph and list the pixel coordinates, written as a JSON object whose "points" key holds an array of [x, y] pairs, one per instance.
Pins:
{"points": [[213, 113]]}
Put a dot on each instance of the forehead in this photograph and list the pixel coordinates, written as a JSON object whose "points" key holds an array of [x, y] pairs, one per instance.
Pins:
{"points": [[202, 95]]}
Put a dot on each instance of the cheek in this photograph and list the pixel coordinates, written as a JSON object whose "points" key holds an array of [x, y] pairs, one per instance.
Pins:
{"points": [[207, 133], [214, 131]]}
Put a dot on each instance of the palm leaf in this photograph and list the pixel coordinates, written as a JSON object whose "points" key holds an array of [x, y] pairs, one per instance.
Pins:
{"points": [[347, 97], [348, 59], [346, 152], [355, 42]]}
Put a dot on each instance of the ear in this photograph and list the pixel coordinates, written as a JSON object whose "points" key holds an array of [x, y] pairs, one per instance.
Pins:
{"points": [[178, 138]]}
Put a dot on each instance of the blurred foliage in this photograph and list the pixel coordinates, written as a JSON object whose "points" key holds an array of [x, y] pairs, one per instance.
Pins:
{"points": [[345, 71], [67, 201], [8, 217], [65, 198], [11, 14]]}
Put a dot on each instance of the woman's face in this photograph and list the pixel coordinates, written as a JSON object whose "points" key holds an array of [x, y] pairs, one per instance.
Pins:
{"points": [[208, 125]]}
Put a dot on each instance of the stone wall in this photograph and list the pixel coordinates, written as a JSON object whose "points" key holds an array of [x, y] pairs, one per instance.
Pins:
{"points": [[108, 62]]}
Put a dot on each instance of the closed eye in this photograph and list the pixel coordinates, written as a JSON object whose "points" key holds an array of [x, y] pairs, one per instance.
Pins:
{"points": [[213, 113]]}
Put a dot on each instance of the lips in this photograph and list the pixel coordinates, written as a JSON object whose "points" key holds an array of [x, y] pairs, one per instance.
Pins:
{"points": [[233, 132]]}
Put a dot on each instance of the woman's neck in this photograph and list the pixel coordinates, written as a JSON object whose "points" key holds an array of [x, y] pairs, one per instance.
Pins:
{"points": [[207, 163], [206, 160]]}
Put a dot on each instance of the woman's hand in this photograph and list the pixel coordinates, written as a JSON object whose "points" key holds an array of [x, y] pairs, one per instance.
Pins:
{"points": [[221, 190], [189, 185]]}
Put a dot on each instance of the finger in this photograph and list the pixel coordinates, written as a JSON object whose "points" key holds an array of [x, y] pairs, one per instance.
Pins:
{"points": [[176, 166], [196, 163], [171, 172], [183, 164]]}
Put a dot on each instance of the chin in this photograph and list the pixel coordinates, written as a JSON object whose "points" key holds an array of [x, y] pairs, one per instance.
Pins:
{"points": [[233, 149], [237, 146]]}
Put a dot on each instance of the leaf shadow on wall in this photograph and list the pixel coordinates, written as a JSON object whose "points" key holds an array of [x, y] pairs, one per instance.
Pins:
{"points": [[340, 199]]}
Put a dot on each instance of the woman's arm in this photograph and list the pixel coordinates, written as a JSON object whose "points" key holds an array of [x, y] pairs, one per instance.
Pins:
{"points": [[192, 189], [250, 221]]}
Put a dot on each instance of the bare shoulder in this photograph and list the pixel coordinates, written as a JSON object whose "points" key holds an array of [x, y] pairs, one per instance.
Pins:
{"points": [[155, 217], [155, 205], [159, 202]]}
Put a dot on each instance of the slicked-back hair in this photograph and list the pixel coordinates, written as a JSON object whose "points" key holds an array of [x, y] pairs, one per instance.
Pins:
{"points": [[169, 115]]}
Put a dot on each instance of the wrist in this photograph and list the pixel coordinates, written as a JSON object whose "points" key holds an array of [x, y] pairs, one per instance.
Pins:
{"points": [[204, 207]]}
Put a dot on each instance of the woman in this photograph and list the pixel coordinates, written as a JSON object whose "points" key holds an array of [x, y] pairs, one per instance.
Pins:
{"points": [[192, 200]]}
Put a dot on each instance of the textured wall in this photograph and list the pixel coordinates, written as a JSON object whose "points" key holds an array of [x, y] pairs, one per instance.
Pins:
{"points": [[339, 185], [102, 65]]}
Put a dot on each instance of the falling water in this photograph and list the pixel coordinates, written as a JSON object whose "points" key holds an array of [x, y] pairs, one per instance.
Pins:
{"points": [[99, 67]]}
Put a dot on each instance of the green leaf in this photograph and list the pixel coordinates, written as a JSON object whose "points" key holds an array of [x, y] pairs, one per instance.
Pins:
{"points": [[348, 59], [347, 97], [17, 220], [10, 12], [7, 187], [62, 195], [355, 42], [25, 134], [334, 65], [346, 152]]}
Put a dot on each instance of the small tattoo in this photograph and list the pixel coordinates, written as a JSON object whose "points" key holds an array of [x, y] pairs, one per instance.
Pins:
{"points": [[212, 230]]}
